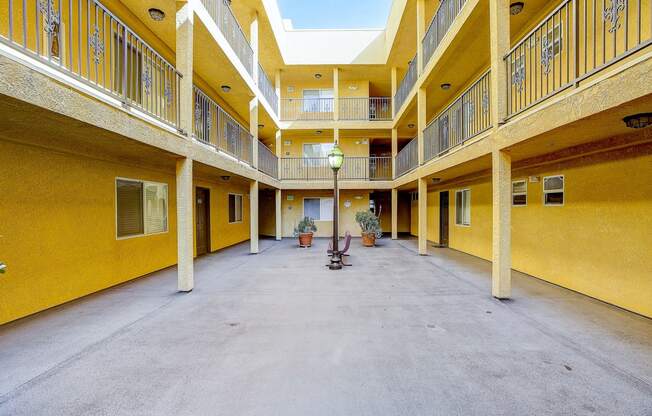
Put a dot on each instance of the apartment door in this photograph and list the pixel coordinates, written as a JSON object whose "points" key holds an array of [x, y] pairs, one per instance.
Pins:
{"points": [[202, 220], [443, 219]]}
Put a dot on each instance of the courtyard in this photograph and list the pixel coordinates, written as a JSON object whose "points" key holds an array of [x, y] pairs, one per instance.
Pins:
{"points": [[279, 334]]}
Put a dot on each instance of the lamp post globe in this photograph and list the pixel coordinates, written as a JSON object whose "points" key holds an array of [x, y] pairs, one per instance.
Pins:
{"points": [[335, 160]]}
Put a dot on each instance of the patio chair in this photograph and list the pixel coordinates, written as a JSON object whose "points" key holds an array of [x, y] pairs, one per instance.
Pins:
{"points": [[343, 252]]}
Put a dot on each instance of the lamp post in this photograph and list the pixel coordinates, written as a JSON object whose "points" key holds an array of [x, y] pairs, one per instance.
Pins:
{"points": [[335, 160]]}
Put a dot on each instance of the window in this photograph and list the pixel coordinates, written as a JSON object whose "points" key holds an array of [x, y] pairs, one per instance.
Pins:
{"points": [[463, 207], [317, 149], [552, 40], [519, 193], [127, 67], [141, 207], [318, 101], [553, 190], [235, 208], [517, 66], [319, 209]]}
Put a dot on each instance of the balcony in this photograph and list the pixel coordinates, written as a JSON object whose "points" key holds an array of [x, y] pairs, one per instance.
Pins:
{"points": [[267, 88], [439, 26], [575, 41], [354, 168], [215, 127], [223, 16], [364, 108], [267, 161], [407, 158], [468, 116], [97, 50], [406, 85]]}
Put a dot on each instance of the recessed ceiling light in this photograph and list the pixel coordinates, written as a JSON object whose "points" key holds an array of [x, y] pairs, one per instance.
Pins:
{"points": [[317, 76], [260, 126], [225, 88], [410, 126], [318, 132], [638, 121], [225, 178], [516, 8], [445, 86], [156, 14]]}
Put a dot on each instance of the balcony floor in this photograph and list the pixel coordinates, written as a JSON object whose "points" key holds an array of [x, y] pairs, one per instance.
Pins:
{"points": [[278, 333]]}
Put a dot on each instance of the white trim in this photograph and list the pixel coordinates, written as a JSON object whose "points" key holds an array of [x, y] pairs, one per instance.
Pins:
{"points": [[525, 181], [241, 208], [115, 207], [562, 190]]}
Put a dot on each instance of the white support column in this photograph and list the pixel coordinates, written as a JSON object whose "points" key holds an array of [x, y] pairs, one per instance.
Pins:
{"points": [[421, 122], [336, 135], [184, 60], [253, 217], [394, 213], [394, 151], [253, 30], [279, 151], [253, 129], [421, 31], [336, 94], [394, 76], [185, 226], [277, 87], [499, 18], [423, 216], [501, 271], [279, 215]]}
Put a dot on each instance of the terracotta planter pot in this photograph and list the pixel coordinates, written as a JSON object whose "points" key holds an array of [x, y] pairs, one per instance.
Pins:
{"points": [[368, 239], [305, 240]]}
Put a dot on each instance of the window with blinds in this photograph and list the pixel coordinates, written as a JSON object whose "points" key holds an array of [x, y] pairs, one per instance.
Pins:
{"points": [[141, 207], [235, 208], [463, 207], [319, 209]]}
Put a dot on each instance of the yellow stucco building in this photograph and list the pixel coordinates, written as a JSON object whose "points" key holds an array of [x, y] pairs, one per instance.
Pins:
{"points": [[134, 138]]}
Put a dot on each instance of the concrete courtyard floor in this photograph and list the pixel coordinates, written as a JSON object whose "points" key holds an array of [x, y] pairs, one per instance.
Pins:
{"points": [[279, 334]]}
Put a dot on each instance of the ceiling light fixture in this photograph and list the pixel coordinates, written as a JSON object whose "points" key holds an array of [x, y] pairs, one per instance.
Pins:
{"points": [[225, 178], [318, 76], [225, 88], [638, 121], [516, 8], [410, 126], [318, 132], [260, 126], [436, 180], [156, 14], [445, 86]]}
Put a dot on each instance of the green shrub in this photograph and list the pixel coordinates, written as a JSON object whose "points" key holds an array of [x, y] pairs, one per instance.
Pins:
{"points": [[369, 223], [306, 225]]}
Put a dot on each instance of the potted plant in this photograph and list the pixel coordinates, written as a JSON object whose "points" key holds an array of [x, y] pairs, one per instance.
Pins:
{"points": [[304, 231], [370, 225]]}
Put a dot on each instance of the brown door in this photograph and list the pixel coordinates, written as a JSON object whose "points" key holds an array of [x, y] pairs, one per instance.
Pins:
{"points": [[443, 219], [203, 221]]}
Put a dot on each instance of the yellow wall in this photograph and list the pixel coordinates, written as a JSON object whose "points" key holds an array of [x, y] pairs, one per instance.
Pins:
{"points": [[350, 146], [57, 229]]}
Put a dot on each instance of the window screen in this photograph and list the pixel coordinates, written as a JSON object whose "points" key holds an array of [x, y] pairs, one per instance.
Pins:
{"points": [[519, 193], [463, 207], [129, 208], [235, 208], [553, 190]]}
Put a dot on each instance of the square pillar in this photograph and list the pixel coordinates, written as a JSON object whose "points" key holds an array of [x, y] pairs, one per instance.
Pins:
{"points": [[499, 18], [185, 226], [394, 76], [423, 217], [253, 129], [277, 88], [501, 180], [421, 31], [336, 94], [184, 57], [394, 213], [253, 217], [394, 151], [253, 31], [279, 151], [279, 215], [421, 123]]}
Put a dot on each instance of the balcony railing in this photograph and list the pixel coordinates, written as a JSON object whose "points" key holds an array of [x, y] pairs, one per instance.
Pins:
{"points": [[406, 85], [372, 168], [293, 109], [87, 42], [408, 158], [267, 88], [267, 161], [576, 40], [439, 26], [213, 126], [223, 16], [364, 108], [465, 118]]}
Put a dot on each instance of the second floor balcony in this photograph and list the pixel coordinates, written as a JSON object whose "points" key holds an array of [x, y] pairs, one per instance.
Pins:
{"points": [[349, 108], [373, 168]]}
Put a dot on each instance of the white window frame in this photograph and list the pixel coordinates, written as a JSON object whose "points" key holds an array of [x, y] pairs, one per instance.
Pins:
{"points": [[460, 222], [562, 190], [144, 184], [524, 181], [236, 208], [303, 207], [321, 94]]}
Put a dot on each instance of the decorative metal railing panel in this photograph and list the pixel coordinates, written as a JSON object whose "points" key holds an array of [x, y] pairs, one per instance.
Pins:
{"points": [[267, 161], [576, 40], [406, 85], [439, 25], [407, 158], [293, 109], [354, 168], [267, 88], [223, 16], [365, 108], [468, 116], [214, 126], [84, 40]]}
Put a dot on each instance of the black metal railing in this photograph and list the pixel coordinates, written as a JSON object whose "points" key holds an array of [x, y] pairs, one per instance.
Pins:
{"points": [[267, 161], [84, 40], [468, 116], [365, 108], [406, 85], [439, 25], [354, 168]]}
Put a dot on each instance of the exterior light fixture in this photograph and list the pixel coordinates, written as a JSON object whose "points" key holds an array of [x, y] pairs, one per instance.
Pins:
{"points": [[410, 126], [156, 14], [436, 180], [318, 76], [225, 178], [260, 126], [318, 132], [516, 8], [445, 86], [638, 121], [225, 88], [335, 161]]}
